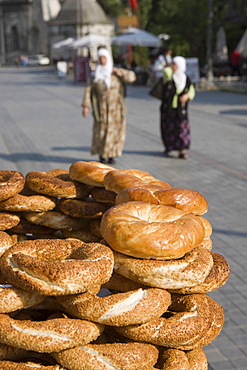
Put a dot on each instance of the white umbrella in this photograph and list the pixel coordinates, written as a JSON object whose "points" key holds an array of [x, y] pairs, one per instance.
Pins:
{"points": [[63, 43], [137, 37], [91, 39], [242, 45]]}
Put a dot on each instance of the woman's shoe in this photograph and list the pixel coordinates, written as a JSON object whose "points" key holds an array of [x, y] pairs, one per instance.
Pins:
{"points": [[111, 161], [102, 160], [183, 156]]}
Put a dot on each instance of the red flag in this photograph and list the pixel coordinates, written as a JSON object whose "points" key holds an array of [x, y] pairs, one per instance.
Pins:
{"points": [[133, 4]]}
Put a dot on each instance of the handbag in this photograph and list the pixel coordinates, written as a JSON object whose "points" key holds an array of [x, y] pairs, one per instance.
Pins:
{"points": [[157, 89]]}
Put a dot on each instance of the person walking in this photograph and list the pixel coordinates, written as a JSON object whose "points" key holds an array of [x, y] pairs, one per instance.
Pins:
{"points": [[105, 94], [177, 92]]}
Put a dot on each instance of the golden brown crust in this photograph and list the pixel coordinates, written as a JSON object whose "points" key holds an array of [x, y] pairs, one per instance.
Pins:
{"points": [[176, 359], [56, 186], [186, 272], [85, 235], [121, 309], [47, 336], [102, 195], [90, 173], [10, 365], [54, 220], [79, 208], [11, 183], [216, 278], [26, 227], [5, 242], [191, 323], [12, 299], [119, 283], [187, 200], [119, 180], [8, 220], [144, 230], [22, 203], [57, 266], [111, 356]]}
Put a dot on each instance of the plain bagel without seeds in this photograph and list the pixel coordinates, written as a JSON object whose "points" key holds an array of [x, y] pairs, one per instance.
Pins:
{"points": [[57, 266], [90, 173], [144, 230]]}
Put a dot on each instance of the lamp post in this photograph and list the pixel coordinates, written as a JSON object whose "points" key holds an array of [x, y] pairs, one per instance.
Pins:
{"points": [[210, 74]]}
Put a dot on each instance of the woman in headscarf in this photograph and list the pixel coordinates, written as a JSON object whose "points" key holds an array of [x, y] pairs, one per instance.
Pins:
{"points": [[177, 92], [105, 94]]}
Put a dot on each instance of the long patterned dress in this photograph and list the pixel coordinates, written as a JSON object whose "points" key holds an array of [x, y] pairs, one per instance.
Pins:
{"points": [[108, 106], [174, 123]]}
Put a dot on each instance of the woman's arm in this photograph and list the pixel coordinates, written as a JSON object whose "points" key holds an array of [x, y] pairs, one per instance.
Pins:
{"points": [[126, 75], [86, 102]]}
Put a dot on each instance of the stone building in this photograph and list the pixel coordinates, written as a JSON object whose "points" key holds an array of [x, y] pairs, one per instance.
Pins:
{"points": [[32, 26]]}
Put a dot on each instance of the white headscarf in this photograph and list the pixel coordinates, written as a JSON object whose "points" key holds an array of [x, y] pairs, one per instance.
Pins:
{"points": [[179, 75], [104, 72]]}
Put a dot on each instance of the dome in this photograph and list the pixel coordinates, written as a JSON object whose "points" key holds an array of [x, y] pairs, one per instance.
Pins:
{"points": [[80, 11]]}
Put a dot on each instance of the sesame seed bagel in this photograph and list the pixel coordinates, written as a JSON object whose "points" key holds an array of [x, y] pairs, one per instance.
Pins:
{"points": [[57, 266], [26, 227], [187, 200], [56, 186], [118, 180], [54, 220], [47, 336], [176, 359], [11, 183], [12, 299], [8, 220], [80, 208], [90, 173], [20, 203], [144, 230], [133, 307], [102, 195], [216, 278], [184, 327], [10, 365], [188, 271], [5, 242], [110, 356]]}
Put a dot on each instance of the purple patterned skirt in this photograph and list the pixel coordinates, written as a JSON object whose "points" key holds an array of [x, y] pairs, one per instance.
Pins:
{"points": [[175, 132]]}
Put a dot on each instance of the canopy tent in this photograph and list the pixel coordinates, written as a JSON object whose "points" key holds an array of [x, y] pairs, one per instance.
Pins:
{"points": [[64, 43], [91, 39], [137, 37], [242, 45]]}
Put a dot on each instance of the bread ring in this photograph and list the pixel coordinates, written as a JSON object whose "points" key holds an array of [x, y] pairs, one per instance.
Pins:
{"points": [[57, 266], [79, 208], [11, 353], [121, 309], [187, 200], [11, 183], [216, 278], [188, 271], [94, 226], [84, 235], [110, 356], [118, 180], [20, 203], [102, 195], [144, 230], [10, 365], [176, 359], [90, 173], [119, 283], [12, 299], [47, 336], [190, 318], [8, 220], [26, 227], [54, 220], [55, 186], [5, 242]]}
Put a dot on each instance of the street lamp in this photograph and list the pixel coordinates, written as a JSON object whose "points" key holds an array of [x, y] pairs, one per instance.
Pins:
{"points": [[210, 74]]}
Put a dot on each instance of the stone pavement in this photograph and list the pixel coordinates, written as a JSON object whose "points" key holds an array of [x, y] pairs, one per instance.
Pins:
{"points": [[42, 128]]}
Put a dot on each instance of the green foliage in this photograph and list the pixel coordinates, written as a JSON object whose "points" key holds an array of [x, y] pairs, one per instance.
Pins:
{"points": [[112, 7]]}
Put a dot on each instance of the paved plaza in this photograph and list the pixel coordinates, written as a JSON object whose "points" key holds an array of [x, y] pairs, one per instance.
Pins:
{"points": [[42, 128]]}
